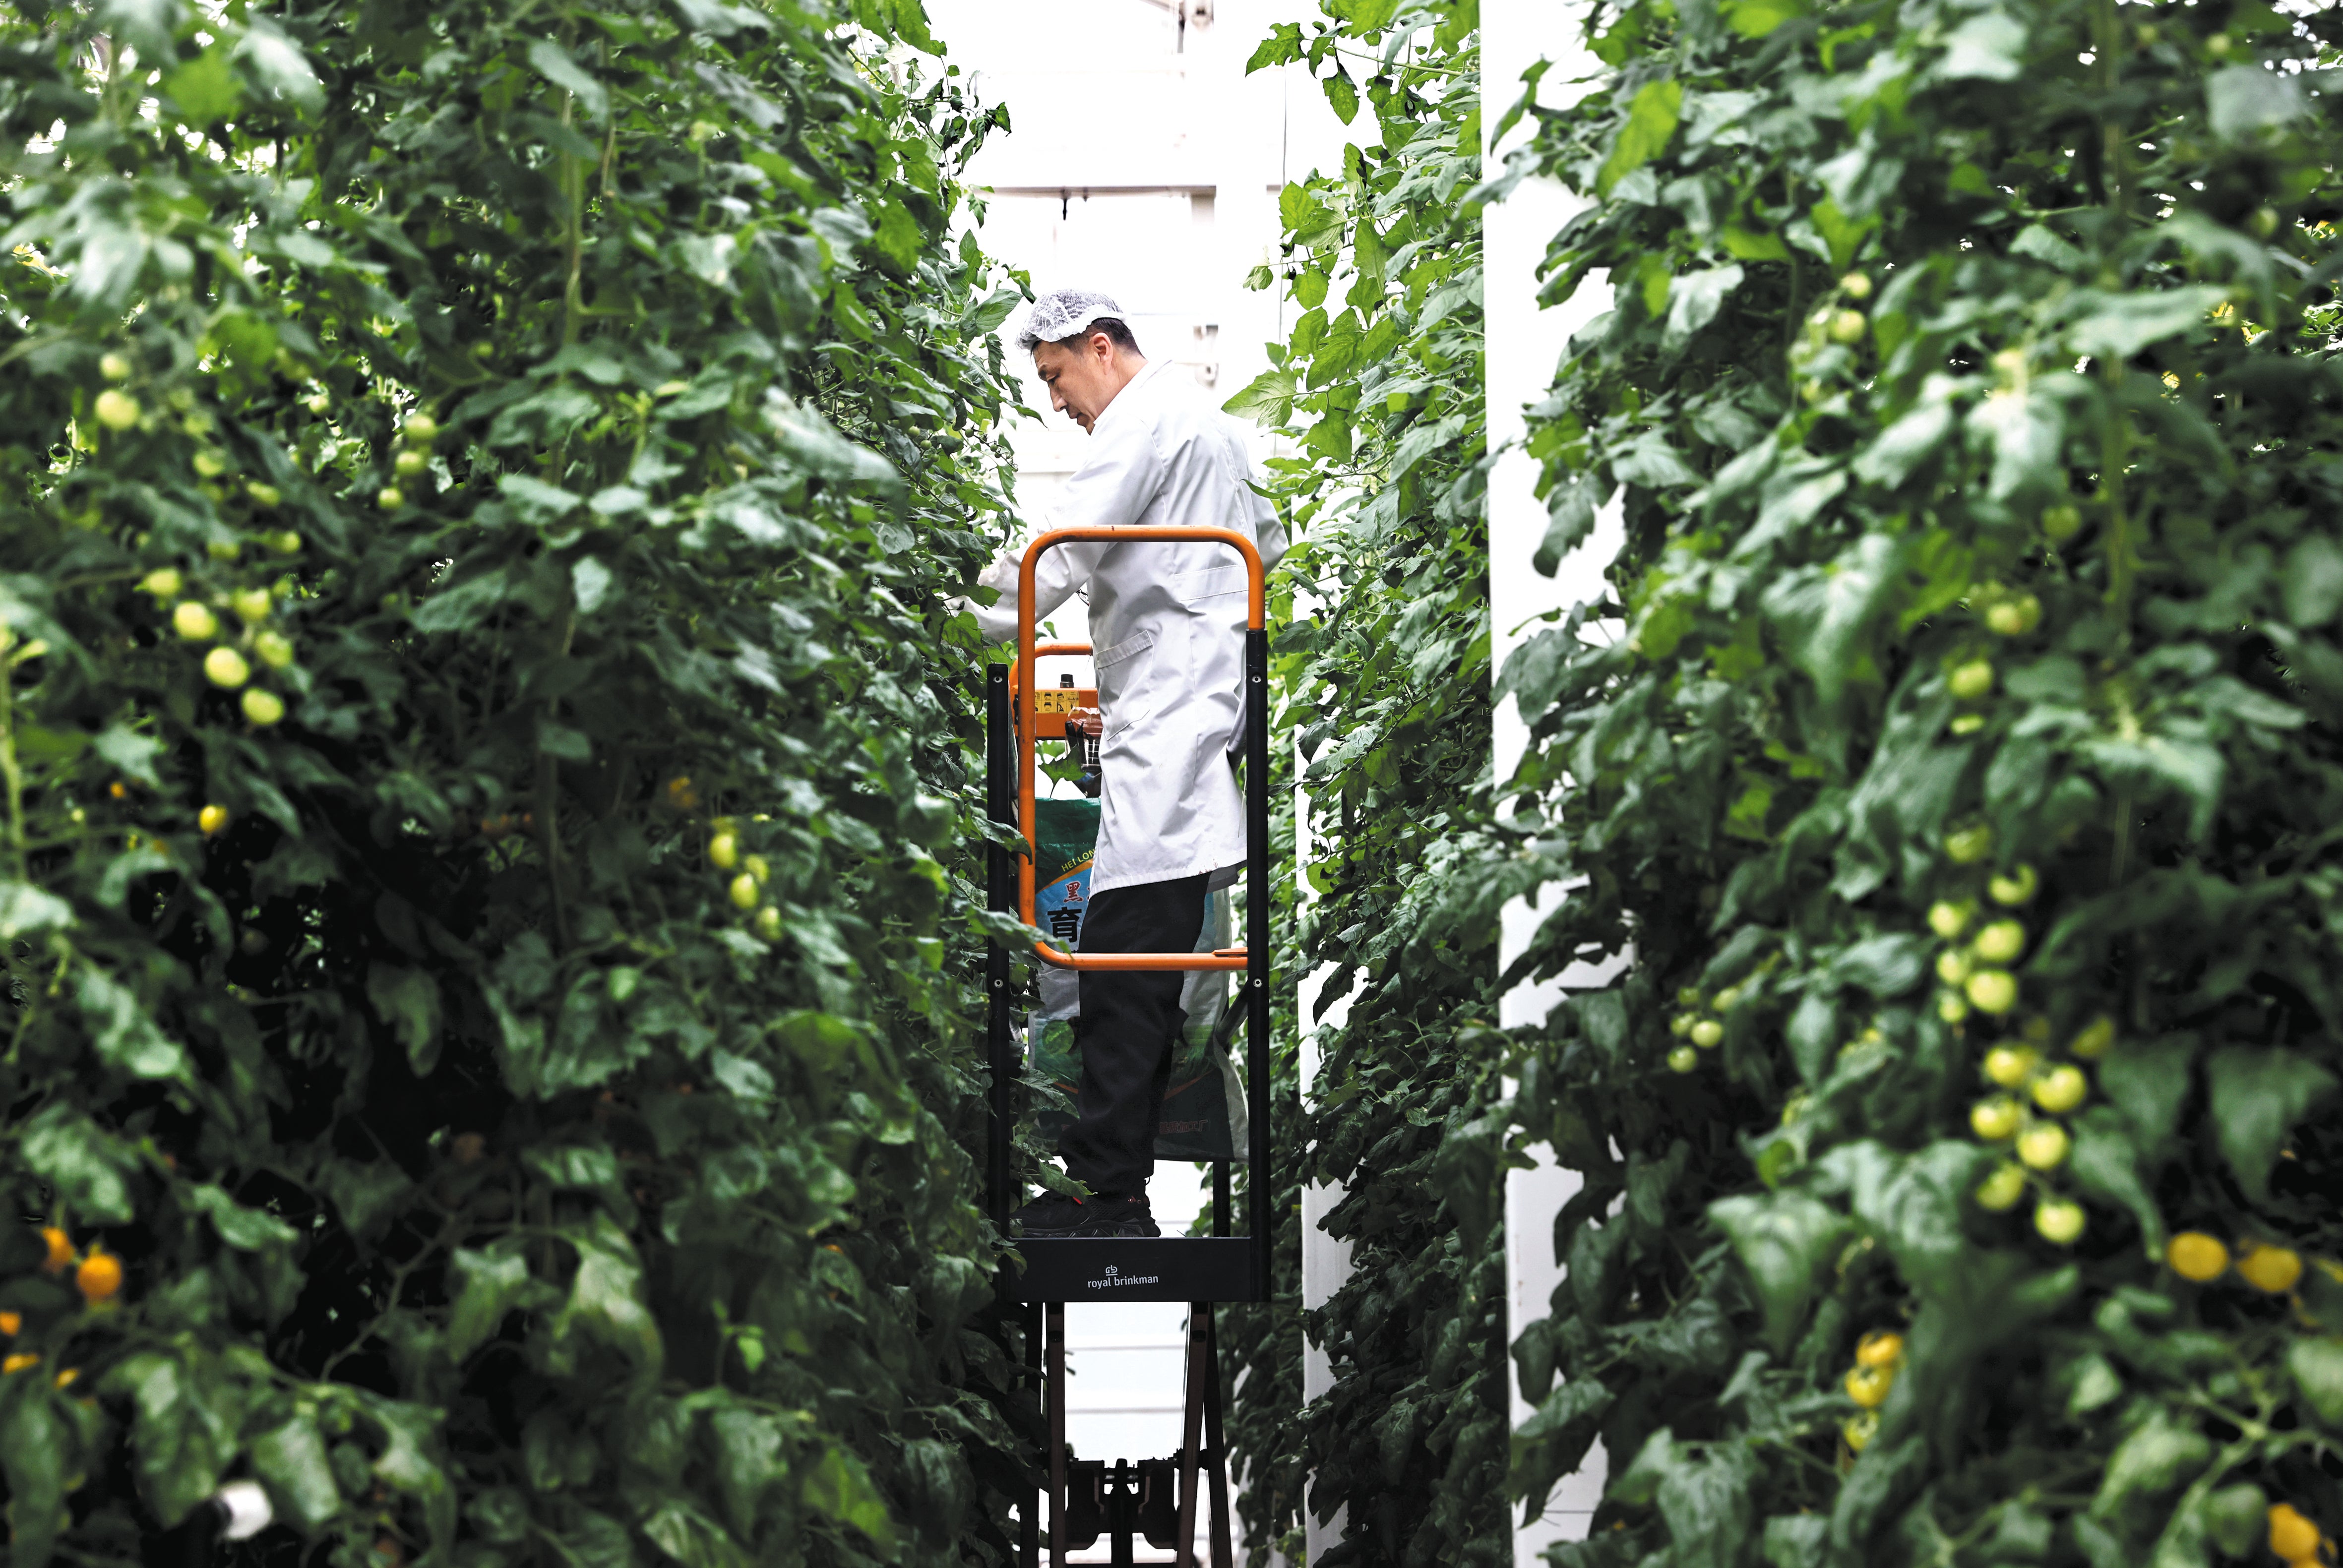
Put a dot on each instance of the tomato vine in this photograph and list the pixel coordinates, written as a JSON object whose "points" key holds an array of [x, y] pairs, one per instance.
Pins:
{"points": [[487, 896]]}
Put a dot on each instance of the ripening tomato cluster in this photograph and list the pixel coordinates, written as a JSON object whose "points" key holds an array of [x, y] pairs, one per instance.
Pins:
{"points": [[1878, 1356], [2269, 1267], [749, 873], [97, 1274], [2032, 1089], [229, 662]]}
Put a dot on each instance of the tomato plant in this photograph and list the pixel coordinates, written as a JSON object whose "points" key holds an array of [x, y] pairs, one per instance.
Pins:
{"points": [[1954, 746], [1383, 668], [473, 475]]}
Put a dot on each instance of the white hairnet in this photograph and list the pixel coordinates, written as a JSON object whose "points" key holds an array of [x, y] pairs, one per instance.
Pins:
{"points": [[1063, 312]]}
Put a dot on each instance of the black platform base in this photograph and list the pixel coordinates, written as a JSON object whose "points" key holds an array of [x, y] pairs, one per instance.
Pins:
{"points": [[1136, 1268]]}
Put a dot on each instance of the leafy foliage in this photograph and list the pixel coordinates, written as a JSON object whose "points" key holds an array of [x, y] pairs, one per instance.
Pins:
{"points": [[1956, 755], [485, 895], [1382, 664]]}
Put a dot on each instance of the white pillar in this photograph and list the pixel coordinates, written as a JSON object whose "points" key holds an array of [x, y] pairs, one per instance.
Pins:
{"points": [[1524, 345]]}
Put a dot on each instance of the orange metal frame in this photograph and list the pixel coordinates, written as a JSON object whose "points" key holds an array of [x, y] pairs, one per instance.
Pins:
{"points": [[1028, 718]]}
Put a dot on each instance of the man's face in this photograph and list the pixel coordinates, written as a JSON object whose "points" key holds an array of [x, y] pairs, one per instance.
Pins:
{"points": [[1083, 379]]}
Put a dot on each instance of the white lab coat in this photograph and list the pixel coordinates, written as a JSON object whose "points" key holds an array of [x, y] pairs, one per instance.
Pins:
{"points": [[1167, 622]]}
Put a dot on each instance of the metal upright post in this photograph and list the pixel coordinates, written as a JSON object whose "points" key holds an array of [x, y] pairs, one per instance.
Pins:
{"points": [[1054, 1351], [1029, 1516], [1259, 1183], [1000, 890]]}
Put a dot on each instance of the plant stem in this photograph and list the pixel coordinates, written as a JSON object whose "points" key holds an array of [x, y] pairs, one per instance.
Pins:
{"points": [[10, 775]]}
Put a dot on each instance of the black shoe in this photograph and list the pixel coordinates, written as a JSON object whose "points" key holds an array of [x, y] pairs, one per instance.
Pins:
{"points": [[1053, 1214]]}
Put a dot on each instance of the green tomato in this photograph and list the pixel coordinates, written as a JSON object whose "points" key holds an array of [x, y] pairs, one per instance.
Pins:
{"points": [[113, 367], [744, 892], [2097, 1037], [2003, 1189], [194, 621], [421, 428], [1947, 919], [769, 922], [1847, 326], [1708, 1035], [251, 605], [1991, 990], [2001, 942], [1682, 1058], [1972, 680], [116, 410], [1967, 846], [2043, 1146], [2061, 1088], [1953, 966], [2061, 522], [263, 708], [2018, 888], [210, 465], [409, 463], [2010, 1065], [1995, 1118], [286, 543], [274, 648], [1855, 285], [1952, 1007], [2058, 1220], [724, 852], [2015, 617], [266, 496], [389, 498], [163, 582]]}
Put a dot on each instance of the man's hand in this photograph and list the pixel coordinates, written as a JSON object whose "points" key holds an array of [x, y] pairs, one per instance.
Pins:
{"points": [[1087, 721]]}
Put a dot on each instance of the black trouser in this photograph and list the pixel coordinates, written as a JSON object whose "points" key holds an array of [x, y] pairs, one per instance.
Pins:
{"points": [[1129, 1030]]}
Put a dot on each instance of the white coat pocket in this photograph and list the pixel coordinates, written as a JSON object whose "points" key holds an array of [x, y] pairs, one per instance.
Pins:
{"points": [[1213, 588], [1124, 695]]}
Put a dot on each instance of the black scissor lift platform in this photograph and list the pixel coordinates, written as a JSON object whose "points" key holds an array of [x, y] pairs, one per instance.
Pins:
{"points": [[1154, 1497]]}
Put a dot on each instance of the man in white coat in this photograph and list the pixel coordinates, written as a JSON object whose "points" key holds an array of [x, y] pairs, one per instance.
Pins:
{"points": [[1168, 623]]}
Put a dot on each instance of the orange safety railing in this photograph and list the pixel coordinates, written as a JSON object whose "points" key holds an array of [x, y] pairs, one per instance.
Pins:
{"points": [[1027, 723]]}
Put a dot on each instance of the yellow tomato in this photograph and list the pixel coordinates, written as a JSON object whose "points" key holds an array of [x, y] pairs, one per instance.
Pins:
{"points": [[12, 1325], [17, 1363], [193, 621], [99, 1277], [2292, 1536], [2271, 1269], [2195, 1256], [223, 667], [211, 820], [1868, 1386], [251, 604], [61, 1248], [262, 707], [1880, 1348]]}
